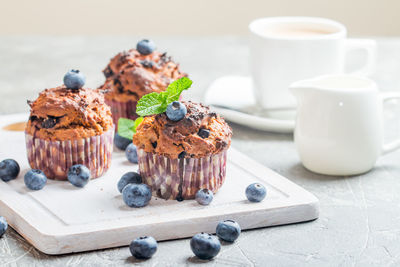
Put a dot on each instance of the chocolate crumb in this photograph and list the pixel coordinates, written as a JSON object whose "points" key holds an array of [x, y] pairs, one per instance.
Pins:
{"points": [[104, 91], [147, 63]]}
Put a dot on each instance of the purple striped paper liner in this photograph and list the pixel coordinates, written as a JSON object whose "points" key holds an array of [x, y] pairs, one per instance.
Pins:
{"points": [[181, 178], [54, 158], [122, 110]]}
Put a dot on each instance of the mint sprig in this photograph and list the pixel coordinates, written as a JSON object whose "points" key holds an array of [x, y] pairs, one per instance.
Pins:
{"points": [[156, 103], [153, 103]]}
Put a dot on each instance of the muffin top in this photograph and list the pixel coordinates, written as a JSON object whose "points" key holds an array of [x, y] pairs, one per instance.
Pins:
{"points": [[200, 133], [130, 75], [66, 114]]}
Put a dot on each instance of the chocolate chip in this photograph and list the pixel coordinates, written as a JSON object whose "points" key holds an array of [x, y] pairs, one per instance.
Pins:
{"points": [[179, 198], [221, 144], [33, 118], [132, 93], [154, 144], [203, 133], [49, 123], [182, 155], [108, 72], [118, 85], [147, 63]]}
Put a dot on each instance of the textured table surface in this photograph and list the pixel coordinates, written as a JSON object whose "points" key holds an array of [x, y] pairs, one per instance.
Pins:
{"points": [[359, 222]]}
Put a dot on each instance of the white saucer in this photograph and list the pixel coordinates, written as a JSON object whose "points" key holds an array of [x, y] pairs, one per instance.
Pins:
{"points": [[232, 97]]}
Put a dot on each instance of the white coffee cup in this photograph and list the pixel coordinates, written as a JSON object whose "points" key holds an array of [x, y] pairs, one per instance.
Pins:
{"points": [[339, 124], [287, 49]]}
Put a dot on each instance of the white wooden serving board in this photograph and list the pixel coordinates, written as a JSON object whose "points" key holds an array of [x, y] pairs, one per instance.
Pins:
{"points": [[62, 219]]}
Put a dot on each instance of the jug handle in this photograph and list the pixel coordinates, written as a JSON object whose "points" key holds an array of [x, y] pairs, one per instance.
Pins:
{"points": [[390, 147]]}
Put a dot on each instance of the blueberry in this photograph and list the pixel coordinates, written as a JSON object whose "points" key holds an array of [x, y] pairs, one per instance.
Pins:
{"points": [[35, 179], [3, 226], [143, 247], [9, 170], [129, 178], [176, 111], [205, 246], [145, 47], [131, 153], [74, 79], [136, 195], [121, 142], [256, 192], [228, 230], [204, 196], [78, 175]]}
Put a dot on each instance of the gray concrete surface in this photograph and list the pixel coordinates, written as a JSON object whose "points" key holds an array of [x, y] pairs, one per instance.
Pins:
{"points": [[359, 222]]}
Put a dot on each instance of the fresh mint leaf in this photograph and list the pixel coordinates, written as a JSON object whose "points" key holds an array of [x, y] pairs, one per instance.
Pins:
{"points": [[156, 103], [153, 103], [137, 122], [126, 128], [164, 99], [176, 88]]}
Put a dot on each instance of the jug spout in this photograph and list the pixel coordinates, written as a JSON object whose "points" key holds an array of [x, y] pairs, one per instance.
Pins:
{"points": [[301, 88]]}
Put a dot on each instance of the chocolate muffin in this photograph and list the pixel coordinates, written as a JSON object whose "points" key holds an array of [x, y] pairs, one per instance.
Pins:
{"points": [[68, 127], [178, 158], [131, 75]]}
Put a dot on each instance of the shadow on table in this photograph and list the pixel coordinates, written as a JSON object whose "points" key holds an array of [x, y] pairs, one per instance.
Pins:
{"points": [[299, 171], [195, 260], [132, 259]]}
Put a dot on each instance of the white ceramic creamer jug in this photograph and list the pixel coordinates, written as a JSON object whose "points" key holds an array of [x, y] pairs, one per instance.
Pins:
{"points": [[339, 125]]}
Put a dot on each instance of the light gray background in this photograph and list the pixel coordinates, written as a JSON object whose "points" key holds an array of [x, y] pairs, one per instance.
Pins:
{"points": [[359, 222], [182, 17]]}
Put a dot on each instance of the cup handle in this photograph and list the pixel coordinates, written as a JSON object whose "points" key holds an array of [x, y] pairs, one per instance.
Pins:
{"points": [[392, 146], [369, 46]]}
